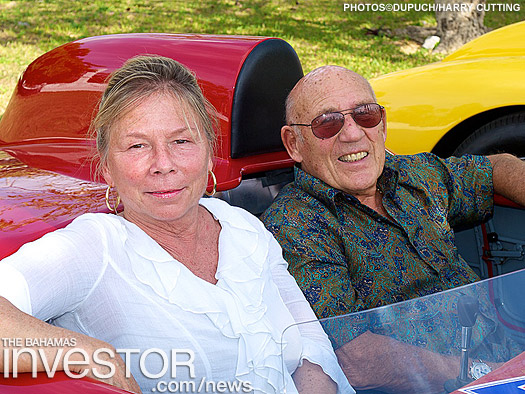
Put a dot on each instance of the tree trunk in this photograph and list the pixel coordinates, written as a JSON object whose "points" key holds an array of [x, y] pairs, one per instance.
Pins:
{"points": [[458, 23]]}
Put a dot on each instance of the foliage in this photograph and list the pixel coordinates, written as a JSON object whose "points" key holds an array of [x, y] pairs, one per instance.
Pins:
{"points": [[319, 30]]}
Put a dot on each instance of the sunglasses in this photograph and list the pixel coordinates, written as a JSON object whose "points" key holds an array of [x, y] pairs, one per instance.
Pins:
{"points": [[328, 125]]}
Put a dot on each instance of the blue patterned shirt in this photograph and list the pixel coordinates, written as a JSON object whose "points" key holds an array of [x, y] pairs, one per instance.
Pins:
{"points": [[346, 257]]}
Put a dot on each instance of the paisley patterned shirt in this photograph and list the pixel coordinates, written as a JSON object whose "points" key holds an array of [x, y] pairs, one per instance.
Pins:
{"points": [[346, 257]]}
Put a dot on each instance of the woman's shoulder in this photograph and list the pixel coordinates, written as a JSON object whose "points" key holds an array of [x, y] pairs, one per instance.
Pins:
{"points": [[90, 229], [93, 218], [96, 222]]}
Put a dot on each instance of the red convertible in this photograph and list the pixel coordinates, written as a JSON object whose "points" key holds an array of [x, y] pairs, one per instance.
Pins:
{"points": [[45, 155]]}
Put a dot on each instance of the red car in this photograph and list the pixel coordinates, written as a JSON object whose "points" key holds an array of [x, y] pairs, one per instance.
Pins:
{"points": [[45, 165]]}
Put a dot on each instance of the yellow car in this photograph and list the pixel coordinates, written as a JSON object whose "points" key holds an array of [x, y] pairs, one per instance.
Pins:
{"points": [[471, 102]]}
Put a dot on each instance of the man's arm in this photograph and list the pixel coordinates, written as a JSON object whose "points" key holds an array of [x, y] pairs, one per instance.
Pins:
{"points": [[373, 361], [508, 177], [370, 361]]}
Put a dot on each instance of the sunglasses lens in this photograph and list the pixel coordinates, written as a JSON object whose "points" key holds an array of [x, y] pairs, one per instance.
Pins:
{"points": [[368, 115], [328, 125]]}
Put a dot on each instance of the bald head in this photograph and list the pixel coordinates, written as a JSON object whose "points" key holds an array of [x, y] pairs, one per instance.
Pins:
{"points": [[303, 96]]}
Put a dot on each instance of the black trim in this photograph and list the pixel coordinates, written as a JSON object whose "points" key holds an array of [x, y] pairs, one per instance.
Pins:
{"points": [[268, 74]]}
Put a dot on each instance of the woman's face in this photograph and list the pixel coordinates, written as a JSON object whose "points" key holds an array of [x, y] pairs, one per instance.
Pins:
{"points": [[157, 165]]}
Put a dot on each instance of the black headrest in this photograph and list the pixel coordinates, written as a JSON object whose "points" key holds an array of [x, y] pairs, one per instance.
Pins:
{"points": [[268, 74]]}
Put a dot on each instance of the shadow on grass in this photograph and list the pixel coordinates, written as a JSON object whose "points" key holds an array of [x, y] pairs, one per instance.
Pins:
{"points": [[320, 31]]}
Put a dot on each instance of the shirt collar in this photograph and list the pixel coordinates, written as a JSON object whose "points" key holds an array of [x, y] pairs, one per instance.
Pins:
{"points": [[315, 187], [328, 195], [388, 180]]}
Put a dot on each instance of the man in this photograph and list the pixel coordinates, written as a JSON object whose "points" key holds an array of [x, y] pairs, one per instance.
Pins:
{"points": [[361, 228]]}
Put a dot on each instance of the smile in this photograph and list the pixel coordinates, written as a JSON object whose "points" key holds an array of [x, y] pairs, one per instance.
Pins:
{"points": [[165, 193], [353, 157]]}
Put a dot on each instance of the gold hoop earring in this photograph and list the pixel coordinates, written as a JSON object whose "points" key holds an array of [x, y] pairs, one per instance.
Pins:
{"points": [[214, 185], [117, 202]]}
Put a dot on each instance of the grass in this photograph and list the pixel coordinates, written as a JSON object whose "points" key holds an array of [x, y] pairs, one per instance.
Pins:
{"points": [[319, 30]]}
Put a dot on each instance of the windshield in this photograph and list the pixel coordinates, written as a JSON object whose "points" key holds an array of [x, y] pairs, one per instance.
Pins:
{"points": [[437, 343]]}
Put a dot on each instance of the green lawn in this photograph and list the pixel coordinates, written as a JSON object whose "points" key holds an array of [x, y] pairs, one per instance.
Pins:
{"points": [[319, 30]]}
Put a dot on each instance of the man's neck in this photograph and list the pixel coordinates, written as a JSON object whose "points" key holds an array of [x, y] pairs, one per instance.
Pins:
{"points": [[374, 201]]}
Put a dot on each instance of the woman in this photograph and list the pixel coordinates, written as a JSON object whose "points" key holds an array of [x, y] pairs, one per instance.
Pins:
{"points": [[190, 290]]}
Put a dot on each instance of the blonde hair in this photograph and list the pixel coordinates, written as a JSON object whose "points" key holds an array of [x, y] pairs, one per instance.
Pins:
{"points": [[139, 78]]}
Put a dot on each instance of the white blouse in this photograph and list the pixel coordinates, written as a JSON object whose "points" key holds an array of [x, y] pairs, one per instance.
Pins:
{"points": [[104, 277]]}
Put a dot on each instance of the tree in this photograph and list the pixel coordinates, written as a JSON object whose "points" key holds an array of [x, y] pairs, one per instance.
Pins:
{"points": [[458, 23]]}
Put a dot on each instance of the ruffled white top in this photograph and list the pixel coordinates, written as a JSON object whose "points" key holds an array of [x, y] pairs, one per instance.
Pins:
{"points": [[105, 277]]}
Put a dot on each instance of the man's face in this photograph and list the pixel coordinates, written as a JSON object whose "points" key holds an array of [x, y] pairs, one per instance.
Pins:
{"points": [[352, 160]]}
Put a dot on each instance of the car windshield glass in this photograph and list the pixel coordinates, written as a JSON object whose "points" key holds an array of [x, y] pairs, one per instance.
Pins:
{"points": [[424, 342]]}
